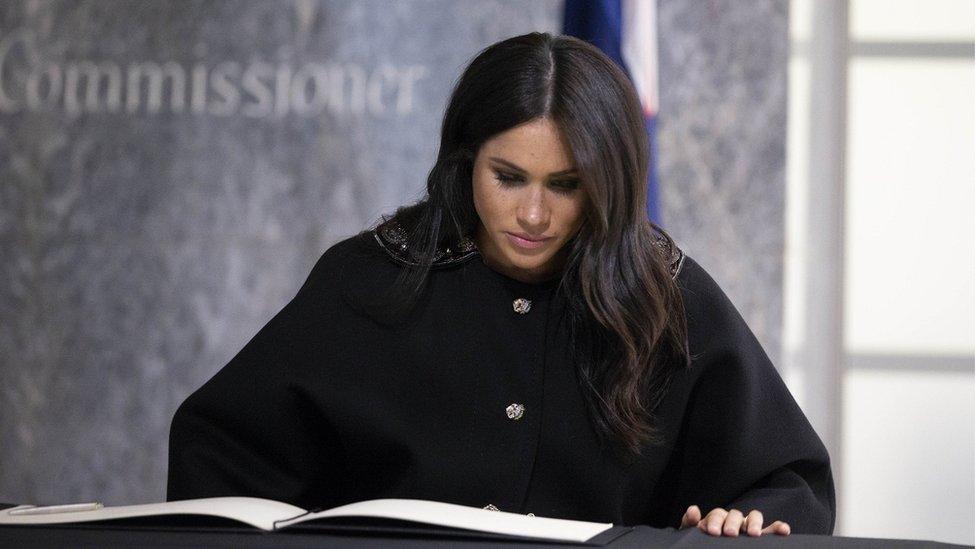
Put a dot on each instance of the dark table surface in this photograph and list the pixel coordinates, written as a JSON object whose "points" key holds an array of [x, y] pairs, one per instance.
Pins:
{"points": [[366, 537]]}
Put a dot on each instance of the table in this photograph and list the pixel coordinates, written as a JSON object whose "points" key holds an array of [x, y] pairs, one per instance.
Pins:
{"points": [[361, 537]]}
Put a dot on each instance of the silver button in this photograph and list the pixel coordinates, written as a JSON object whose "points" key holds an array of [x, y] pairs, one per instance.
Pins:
{"points": [[521, 305], [490, 507], [515, 410]]}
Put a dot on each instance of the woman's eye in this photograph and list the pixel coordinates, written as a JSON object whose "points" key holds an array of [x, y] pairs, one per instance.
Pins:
{"points": [[505, 178], [568, 185], [564, 186]]}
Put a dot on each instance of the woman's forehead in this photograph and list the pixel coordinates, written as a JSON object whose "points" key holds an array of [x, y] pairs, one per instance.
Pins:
{"points": [[533, 146]]}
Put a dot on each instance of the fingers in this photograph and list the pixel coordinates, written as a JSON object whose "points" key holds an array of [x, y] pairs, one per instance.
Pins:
{"points": [[691, 517], [753, 523], [719, 522], [714, 521], [733, 523], [779, 528]]}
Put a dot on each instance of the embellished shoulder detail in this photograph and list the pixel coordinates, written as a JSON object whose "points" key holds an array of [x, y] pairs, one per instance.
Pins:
{"points": [[671, 252], [392, 237]]}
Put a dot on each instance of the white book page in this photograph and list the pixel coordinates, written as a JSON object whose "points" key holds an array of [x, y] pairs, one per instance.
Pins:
{"points": [[258, 512], [461, 516]]}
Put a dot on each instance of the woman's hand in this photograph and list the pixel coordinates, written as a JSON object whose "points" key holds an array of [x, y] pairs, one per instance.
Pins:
{"points": [[720, 522]]}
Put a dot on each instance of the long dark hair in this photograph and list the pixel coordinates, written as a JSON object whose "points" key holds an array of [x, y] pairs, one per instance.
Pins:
{"points": [[626, 315]]}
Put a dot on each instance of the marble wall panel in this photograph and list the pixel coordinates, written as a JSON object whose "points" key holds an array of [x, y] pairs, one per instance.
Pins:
{"points": [[722, 146]]}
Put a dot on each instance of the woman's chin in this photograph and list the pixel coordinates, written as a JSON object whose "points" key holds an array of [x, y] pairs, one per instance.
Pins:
{"points": [[521, 265]]}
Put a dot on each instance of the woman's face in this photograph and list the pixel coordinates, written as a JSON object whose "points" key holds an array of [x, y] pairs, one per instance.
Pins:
{"points": [[528, 199]]}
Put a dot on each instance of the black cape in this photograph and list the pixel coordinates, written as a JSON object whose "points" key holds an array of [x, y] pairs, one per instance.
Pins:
{"points": [[475, 403]]}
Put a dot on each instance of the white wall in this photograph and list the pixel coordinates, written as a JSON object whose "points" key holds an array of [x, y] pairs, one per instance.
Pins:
{"points": [[907, 444]]}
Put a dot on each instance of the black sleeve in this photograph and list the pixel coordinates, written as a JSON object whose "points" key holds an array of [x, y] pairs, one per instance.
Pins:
{"points": [[248, 431], [745, 442]]}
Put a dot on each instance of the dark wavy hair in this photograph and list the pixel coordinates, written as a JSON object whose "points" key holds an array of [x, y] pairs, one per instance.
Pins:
{"points": [[627, 318]]}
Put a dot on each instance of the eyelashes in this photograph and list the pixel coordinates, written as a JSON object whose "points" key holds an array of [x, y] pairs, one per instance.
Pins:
{"points": [[565, 186]]}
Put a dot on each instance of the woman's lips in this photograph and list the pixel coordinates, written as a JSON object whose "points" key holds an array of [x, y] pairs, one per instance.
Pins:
{"points": [[520, 242]]}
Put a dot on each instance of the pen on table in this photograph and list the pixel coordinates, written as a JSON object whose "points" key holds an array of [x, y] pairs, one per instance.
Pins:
{"points": [[52, 509]]}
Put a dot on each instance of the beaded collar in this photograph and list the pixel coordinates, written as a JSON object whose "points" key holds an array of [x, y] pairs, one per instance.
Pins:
{"points": [[670, 250], [393, 239]]}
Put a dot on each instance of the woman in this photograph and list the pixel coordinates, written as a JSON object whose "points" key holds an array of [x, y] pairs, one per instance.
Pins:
{"points": [[522, 339]]}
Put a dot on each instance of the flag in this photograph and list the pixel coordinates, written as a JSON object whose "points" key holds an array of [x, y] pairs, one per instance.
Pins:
{"points": [[626, 31]]}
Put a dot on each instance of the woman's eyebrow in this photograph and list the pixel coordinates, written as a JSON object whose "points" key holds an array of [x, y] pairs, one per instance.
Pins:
{"points": [[520, 170]]}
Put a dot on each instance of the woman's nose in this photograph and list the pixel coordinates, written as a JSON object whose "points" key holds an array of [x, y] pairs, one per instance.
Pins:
{"points": [[534, 211]]}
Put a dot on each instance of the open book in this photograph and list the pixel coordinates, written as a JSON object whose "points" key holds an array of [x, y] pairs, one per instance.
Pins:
{"points": [[273, 515]]}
